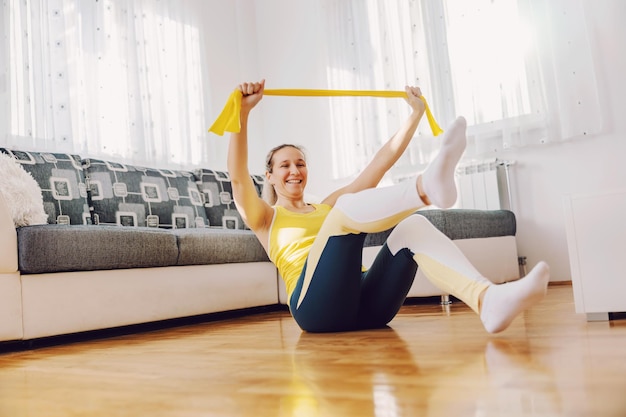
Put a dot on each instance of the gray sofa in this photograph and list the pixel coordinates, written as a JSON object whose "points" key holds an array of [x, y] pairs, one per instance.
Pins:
{"points": [[127, 245]]}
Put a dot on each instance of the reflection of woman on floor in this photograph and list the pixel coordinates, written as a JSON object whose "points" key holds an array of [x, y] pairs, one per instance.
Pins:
{"points": [[380, 377], [318, 247]]}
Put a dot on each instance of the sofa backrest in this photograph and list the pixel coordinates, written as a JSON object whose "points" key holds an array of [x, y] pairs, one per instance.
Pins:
{"points": [[62, 181], [78, 190]]}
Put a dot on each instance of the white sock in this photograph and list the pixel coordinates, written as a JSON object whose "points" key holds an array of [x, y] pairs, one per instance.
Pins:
{"points": [[503, 302], [438, 178]]}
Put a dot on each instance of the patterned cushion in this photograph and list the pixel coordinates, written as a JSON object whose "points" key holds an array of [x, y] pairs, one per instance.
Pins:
{"points": [[218, 198], [62, 182], [136, 196], [259, 181]]}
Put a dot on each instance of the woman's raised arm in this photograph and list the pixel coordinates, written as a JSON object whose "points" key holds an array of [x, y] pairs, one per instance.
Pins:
{"points": [[255, 212]]}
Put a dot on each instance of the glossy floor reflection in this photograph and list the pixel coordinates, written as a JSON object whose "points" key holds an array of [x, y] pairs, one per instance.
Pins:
{"points": [[429, 362]]}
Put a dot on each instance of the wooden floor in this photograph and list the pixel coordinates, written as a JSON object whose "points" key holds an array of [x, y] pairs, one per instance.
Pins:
{"points": [[430, 362]]}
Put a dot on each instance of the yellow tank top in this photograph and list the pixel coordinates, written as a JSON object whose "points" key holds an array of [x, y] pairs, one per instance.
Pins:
{"points": [[291, 237]]}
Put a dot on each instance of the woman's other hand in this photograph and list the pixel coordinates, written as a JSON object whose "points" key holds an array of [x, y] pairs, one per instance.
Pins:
{"points": [[414, 98]]}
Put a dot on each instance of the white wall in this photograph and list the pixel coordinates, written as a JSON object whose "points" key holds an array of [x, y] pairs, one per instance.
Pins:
{"points": [[228, 39]]}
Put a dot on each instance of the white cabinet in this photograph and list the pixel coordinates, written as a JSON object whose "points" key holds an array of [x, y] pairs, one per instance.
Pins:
{"points": [[596, 239]]}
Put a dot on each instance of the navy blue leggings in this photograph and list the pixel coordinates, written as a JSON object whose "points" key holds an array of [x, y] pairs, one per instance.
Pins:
{"points": [[341, 297]]}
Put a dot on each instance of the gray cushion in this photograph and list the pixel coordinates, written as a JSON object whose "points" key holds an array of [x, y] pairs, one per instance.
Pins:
{"points": [[461, 224], [60, 248], [217, 246], [469, 224]]}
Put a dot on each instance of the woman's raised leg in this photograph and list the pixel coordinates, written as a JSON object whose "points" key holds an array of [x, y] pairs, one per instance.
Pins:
{"points": [[446, 267]]}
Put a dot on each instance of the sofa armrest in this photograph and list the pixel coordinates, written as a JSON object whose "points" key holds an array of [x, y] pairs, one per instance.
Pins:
{"points": [[8, 239]]}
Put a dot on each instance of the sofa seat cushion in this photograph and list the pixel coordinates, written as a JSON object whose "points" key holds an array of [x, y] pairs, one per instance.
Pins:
{"points": [[61, 248], [461, 224], [218, 246]]}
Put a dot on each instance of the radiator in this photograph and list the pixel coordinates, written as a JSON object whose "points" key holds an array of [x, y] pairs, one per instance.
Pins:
{"points": [[484, 185]]}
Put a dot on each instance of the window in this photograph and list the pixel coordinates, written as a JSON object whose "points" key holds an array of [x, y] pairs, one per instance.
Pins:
{"points": [[489, 60], [109, 79]]}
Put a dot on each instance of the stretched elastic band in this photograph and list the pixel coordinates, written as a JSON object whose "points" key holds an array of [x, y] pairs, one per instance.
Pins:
{"points": [[228, 120]]}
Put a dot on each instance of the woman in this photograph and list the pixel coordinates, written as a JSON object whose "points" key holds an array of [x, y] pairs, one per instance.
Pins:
{"points": [[317, 247]]}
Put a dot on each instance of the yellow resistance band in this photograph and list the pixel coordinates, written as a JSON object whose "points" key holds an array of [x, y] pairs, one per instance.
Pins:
{"points": [[228, 120]]}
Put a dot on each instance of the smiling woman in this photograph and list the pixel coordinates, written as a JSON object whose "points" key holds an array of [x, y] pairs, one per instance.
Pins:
{"points": [[318, 248], [294, 156]]}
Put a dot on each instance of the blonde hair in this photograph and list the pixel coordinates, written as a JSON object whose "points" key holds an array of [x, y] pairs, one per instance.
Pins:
{"points": [[268, 193]]}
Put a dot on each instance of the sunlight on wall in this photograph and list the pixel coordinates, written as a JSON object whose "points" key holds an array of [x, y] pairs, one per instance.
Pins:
{"points": [[488, 42]]}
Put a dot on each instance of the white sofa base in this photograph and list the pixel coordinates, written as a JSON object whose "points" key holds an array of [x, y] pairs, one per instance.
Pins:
{"points": [[62, 303], [10, 306]]}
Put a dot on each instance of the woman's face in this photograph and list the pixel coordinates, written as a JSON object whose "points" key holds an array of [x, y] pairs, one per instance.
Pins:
{"points": [[289, 172]]}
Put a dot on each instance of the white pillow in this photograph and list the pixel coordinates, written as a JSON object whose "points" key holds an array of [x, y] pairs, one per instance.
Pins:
{"points": [[21, 193]]}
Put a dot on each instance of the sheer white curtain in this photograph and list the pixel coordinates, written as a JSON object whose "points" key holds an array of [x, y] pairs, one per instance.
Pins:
{"points": [[112, 79], [520, 71]]}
